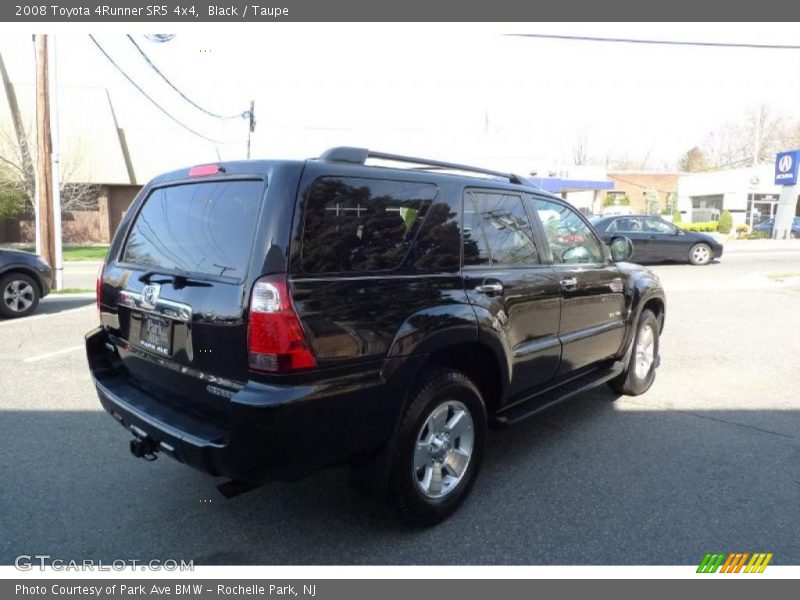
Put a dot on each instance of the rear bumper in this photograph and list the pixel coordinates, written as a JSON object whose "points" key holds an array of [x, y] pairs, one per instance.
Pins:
{"points": [[271, 432]]}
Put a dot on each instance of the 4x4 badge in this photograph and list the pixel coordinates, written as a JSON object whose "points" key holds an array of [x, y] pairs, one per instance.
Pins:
{"points": [[150, 295]]}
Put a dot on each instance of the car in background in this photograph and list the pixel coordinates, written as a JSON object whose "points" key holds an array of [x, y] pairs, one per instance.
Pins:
{"points": [[768, 225], [25, 278], [656, 240]]}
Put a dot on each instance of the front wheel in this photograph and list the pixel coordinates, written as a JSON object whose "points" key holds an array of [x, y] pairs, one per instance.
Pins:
{"points": [[640, 373], [700, 254], [440, 448]]}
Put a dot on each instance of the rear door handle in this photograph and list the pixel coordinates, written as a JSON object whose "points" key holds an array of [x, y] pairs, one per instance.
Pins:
{"points": [[569, 283], [489, 289]]}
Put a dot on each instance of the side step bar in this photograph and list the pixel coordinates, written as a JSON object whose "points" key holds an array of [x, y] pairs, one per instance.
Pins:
{"points": [[535, 404]]}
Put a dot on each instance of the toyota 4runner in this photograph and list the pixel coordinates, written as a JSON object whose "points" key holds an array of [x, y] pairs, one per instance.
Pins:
{"points": [[264, 319]]}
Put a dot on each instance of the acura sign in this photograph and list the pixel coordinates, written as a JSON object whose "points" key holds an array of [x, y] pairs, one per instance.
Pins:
{"points": [[786, 164]]}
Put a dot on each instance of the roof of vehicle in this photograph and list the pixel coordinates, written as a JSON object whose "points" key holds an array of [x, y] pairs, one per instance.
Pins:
{"points": [[347, 158]]}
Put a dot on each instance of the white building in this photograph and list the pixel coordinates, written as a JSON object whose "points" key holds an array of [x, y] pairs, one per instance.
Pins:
{"points": [[703, 196]]}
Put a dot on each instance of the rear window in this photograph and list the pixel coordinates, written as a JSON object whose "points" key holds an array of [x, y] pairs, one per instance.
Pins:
{"points": [[356, 224], [204, 228]]}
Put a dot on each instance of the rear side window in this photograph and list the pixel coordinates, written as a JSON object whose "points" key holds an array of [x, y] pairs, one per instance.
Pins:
{"points": [[357, 224], [204, 228], [497, 231]]}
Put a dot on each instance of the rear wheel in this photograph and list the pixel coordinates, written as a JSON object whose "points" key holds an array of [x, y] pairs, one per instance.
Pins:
{"points": [[700, 254], [439, 450], [19, 295], [640, 373]]}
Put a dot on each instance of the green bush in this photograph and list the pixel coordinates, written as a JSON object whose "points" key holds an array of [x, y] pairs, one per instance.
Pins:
{"points": [[725, 222], [700, 226], [676, 216], [757, 235], [742, 228]]}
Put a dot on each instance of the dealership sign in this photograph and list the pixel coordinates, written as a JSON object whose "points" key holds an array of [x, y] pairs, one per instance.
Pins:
{"points": [[786, 167]]}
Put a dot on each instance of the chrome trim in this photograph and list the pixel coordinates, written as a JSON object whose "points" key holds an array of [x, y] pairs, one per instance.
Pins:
{"points": [[163, 307], [535, 346], [590, 331]]}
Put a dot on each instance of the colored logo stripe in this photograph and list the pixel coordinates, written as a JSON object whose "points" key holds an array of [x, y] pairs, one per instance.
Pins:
{"points": [[734, 562]]}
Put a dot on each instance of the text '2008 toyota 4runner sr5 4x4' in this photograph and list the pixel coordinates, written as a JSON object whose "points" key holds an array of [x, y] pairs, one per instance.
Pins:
{"points": [[264, 319]]}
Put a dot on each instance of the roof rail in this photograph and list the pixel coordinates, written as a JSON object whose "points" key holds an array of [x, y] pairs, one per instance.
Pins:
{"points": [[360, 155]]}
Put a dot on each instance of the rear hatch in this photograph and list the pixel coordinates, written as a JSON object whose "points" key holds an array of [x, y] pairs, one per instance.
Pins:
{"points": [[174, 294]]}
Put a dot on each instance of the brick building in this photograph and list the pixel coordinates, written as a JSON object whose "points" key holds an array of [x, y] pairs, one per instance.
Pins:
{"points": [[635, 184]]}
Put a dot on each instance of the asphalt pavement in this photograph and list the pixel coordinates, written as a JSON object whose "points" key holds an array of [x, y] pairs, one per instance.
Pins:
{"points": [[707, 461]]}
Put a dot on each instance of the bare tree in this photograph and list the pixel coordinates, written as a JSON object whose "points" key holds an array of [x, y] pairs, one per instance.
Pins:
{"points": [[75, 195], [580, 149], [756, 137]]}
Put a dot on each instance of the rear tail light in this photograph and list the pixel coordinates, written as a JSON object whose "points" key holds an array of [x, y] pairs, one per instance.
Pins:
{"points": [[275, 338], [99, 286]]}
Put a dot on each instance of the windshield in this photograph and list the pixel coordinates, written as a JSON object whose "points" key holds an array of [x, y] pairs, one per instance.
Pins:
{"points": [[204, 228]]}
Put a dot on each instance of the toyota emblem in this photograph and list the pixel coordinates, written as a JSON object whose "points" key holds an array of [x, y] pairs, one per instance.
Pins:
{"points": [[150, 295]]}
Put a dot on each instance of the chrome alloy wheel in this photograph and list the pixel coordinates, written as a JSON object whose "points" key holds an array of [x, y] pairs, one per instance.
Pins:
{"points": [[645, 352], [701, 254], [18, 296], [443, 449]]}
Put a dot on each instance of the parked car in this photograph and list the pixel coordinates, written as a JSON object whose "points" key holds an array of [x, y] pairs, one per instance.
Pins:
{"points": [[656, 240], [264, 319], [25, 278], [768, 225]]}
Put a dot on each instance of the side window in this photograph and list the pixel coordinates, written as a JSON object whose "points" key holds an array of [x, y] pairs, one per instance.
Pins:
{"points": [[626, 225], [571, 239], [497, 231], [653, 225], [358, 224]]}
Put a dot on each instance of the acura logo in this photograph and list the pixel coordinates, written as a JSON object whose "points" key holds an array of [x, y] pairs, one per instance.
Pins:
{"points": [[150, 295], [785, 163]]}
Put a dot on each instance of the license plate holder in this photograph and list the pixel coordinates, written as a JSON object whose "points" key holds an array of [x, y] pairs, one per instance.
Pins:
{"points": [[156, 334]]}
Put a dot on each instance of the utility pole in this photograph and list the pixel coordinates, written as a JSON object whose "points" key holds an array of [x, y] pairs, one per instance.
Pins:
{"points": [[46, 235], [252, 116]]}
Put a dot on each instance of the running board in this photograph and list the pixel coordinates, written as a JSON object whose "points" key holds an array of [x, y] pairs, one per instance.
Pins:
{"points": [[543, 400]]}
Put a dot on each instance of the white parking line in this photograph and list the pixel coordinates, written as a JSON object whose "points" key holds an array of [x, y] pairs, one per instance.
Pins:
{"points": [[31, 359], [43, 316]]}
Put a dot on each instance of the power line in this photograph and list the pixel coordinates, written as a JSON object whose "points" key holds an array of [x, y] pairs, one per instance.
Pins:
{"points": [[582, 38], [182, 95], [156, 104]]}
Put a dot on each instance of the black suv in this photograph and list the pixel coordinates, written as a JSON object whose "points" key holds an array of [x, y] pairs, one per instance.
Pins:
{"points": [[265, 319]]}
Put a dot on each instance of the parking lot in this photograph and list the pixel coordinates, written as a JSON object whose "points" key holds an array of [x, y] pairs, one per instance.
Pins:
{"points": [[707, 460]]}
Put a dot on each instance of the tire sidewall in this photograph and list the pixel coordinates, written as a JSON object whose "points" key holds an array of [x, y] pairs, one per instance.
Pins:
{"points": [[451, 386], [637, 385], [4, 282]]}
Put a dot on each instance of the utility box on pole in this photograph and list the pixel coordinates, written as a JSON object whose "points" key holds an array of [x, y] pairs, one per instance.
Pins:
{"points": [[786, 175]]}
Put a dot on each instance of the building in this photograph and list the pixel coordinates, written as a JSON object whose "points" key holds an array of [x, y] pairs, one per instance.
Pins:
{"points": [[635, 184], [749, 194]]}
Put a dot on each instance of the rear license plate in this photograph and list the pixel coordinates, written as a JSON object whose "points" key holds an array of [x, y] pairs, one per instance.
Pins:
{"points": [[156, 334]]}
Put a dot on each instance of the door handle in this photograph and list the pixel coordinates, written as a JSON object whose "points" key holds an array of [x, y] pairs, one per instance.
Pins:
{"points": [[489, 289], [569, 283]]}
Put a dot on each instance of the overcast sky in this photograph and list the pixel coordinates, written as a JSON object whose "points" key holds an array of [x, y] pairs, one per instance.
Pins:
{"points": [[460, 92]]}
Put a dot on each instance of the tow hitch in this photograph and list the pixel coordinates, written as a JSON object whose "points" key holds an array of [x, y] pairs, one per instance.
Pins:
{"points": [[144, 448]]}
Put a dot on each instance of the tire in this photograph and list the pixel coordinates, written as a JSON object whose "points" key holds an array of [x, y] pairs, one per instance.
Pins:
{"points": [[794, 235], [634, 381], [700, 254], [423, 493], [19, 295]]}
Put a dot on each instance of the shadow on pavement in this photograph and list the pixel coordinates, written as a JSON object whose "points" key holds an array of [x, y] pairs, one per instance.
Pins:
{"points": [[588, 482], [57, 304]]}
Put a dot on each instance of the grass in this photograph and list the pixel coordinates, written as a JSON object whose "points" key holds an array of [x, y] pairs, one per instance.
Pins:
{"points": [[73, 253], [67, 291]]}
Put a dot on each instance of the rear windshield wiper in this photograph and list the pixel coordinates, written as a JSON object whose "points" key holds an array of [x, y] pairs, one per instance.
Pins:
{"points": [[178, 281]]}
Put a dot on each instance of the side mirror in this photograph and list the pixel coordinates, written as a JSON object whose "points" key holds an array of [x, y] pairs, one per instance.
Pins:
{"points": [[621, 249], [678, 231]]}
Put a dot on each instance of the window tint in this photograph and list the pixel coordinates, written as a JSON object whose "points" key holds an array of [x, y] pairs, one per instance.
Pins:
{"points": [[654, 225], [625, 225], [571, 240], [355, 224], [497, 231], [204, 228]]}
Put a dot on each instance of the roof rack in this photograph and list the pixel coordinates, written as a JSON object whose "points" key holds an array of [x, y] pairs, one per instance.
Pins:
{"points": [[359, 156]]}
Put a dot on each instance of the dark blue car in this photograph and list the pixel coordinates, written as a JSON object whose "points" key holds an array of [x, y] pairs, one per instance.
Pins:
{"points": [[768, 225]]}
